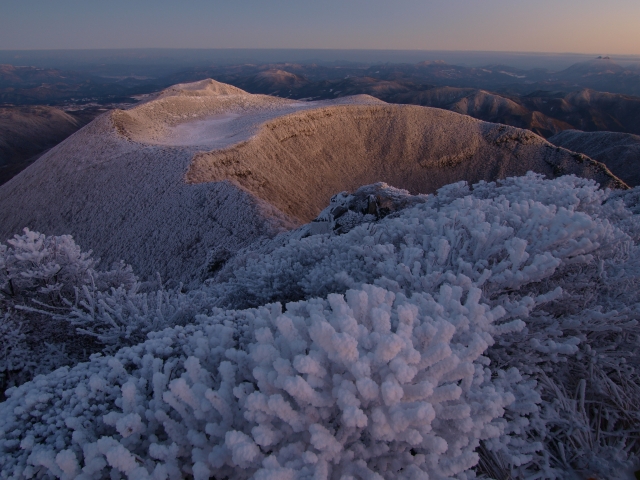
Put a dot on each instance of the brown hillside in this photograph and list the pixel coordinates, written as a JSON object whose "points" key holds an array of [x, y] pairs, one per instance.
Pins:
{"points": [[297, 162]]}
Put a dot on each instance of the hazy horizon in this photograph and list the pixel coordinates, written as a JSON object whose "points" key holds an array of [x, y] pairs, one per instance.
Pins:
{"points": [[578, 26], [163, 60]]}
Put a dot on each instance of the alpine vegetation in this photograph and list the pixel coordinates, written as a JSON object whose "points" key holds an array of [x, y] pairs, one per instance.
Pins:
{"points": [[488, 330], [57, 307]]}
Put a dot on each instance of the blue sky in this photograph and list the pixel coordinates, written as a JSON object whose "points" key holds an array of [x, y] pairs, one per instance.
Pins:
{"points": [[581, 26]]}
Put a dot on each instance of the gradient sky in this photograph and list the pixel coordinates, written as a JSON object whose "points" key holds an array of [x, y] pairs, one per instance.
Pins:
{"points": [[580, 26]]}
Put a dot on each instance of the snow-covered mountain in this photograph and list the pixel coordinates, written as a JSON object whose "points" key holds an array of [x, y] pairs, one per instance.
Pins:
{"points": [[207, 165], [454, 329]]}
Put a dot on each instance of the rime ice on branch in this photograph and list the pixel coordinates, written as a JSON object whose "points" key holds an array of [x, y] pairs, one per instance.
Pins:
{"points": [[491, 328]]}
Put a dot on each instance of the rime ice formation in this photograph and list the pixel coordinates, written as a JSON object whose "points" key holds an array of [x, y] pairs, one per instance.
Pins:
{"points": [[367, 385], [487, 329], [207, 165]]}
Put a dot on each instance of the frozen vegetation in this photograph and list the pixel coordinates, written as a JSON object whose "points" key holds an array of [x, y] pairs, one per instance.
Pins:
{"points": [[488, 330]]}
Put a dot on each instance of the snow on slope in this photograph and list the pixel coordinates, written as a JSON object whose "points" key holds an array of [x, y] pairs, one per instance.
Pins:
{"points": [[255, 165], [502, 329]]}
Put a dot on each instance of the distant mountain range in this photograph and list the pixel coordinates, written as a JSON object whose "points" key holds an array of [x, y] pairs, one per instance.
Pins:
{"points": [[31, 85], [544, 102], [49, 86], [459, 89], [599, 74]]}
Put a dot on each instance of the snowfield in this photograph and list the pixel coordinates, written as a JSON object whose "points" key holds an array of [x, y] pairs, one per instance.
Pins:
{"points": [[200, 132], [484, 331]]}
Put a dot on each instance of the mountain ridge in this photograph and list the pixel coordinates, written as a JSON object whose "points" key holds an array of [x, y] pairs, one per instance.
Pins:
{"points": [[121, 191]]}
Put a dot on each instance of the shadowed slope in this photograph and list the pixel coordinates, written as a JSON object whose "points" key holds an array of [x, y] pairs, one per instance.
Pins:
{"points": [[618, 151], [26, 132]]}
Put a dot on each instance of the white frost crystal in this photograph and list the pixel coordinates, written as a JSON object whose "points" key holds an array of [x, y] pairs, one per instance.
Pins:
{"points": [[362, 384], [489, 330]]}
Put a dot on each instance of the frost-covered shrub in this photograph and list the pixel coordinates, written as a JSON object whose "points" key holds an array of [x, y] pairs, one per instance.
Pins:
{"points": [[368, 203], [50, 291], [120, 317], [36, 272], [13, 354], [369, 385], [505, 235], [556, 260], [49, 269], [522, 237]]}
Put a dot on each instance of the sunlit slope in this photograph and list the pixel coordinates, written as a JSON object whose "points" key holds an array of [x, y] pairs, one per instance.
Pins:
{"points": [[207, 166], [297, 161]]}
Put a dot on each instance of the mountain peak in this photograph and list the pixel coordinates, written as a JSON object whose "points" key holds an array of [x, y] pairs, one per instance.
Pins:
{"points": [[202, 88], [210, 165], [597, 66]]}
